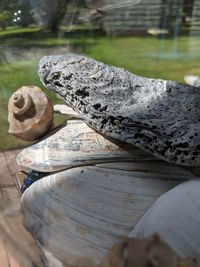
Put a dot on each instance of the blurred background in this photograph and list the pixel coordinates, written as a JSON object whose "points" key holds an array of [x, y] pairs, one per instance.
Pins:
{"points": [[158, 38]]}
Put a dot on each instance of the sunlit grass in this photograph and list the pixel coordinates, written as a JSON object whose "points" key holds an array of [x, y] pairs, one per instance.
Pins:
{"points": [[143, 56], [18, 30]]}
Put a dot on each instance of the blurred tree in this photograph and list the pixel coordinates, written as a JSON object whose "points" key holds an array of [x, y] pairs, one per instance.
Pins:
{"points": [[15, 12], [4, 18], [187, 10], [26, 16], [54, 12], [176, 14]]}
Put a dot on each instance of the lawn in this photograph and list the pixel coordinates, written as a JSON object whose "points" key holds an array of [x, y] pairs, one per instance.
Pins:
{"points": [[10, 31], [146, 56]]}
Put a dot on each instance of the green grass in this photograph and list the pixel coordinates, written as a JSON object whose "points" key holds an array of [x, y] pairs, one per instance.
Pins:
{"points": [[41, 42], [9, 31], [15, 30], [135, 54], [138, 56]]}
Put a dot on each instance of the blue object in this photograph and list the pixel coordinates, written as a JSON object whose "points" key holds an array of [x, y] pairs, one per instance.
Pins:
{"points": [[31, 177]]}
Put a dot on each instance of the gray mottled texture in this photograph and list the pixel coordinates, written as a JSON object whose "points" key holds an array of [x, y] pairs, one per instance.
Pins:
{"points": [[161, 117]]}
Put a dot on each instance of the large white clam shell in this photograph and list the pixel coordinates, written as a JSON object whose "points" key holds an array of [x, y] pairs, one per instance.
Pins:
{"points": [[81, 212], [74, 145], [176, 217]]}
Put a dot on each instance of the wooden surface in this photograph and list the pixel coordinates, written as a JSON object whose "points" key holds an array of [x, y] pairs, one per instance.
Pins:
{"points": [[8, 168], [16, 244], [6, 257]]}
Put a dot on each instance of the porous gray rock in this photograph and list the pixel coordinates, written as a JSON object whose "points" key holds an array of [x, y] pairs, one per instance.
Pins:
{"points": [[160, 117]]}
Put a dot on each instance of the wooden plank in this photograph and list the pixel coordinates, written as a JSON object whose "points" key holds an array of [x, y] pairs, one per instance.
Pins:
{"points": [[4, 256], [13, 234], [11, 162], [6, 178], [9, 197]]}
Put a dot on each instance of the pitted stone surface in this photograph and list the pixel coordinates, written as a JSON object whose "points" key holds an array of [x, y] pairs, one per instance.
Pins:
{"points": [[161, 117]]}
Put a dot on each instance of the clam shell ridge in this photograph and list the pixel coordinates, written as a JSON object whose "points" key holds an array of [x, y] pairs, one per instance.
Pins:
{"points": [[161, 117], [30, 113], [73, 145], [83, 211]]}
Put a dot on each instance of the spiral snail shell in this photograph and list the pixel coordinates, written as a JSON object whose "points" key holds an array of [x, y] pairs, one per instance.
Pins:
{"points": [[30, 113]]}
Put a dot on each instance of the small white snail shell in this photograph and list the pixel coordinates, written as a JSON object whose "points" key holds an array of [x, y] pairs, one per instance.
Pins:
{"points": [[30, 113]]}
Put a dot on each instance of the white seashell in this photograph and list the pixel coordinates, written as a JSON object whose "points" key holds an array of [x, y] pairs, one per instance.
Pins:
{"points": [[74, 145], [176, 217], [65, 110], [192, 80], [81, 212], [30, 113]]}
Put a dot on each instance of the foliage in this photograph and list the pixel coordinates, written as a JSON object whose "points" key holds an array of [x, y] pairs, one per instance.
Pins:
{"points": [[9, 15], [53, 12], [49, 13], [11, 32], [4, 17]]}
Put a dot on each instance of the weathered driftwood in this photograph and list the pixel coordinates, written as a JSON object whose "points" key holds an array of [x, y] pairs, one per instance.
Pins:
{"points": [[176, 217], [161, 117], [74, 145], [81, 212]]}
